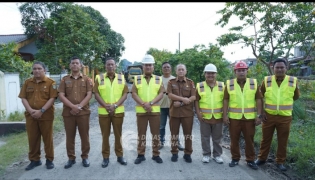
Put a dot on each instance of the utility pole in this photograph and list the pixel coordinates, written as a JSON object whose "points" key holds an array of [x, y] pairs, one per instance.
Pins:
{"points": [[179, 42]]}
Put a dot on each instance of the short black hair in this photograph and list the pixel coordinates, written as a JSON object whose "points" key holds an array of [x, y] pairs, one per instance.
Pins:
{"points": [[165, 62], [280, 60], [40, 63], [75, 57], [109, 58]]}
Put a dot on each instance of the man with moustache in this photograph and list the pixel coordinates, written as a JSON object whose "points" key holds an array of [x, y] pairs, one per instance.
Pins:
{"points": [[75, 91], [181, 91], [147, 91], [209, 106], [38, 95], [111, 91], [242, 112], [279, 92]]}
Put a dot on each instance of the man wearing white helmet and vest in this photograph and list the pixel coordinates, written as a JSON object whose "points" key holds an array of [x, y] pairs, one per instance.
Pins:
{"points": [[208, 106], [279, 91], [147, 91], [110, 91], [242, 112]]}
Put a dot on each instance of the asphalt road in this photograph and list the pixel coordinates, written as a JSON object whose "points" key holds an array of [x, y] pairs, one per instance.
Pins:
{"points": [[148, 169]]}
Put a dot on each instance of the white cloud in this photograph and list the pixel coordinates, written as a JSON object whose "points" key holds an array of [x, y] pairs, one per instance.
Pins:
{"points": [[156, 25]]}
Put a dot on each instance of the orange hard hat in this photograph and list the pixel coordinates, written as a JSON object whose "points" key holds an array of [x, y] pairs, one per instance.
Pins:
{"points": [[240, 65]]}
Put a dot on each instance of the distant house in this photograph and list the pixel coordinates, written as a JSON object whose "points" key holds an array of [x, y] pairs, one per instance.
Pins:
{"points": [[299, 60], [25, 46]]}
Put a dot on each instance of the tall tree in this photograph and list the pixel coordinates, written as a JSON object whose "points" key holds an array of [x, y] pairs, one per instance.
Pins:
{"points": [[277, 28]]}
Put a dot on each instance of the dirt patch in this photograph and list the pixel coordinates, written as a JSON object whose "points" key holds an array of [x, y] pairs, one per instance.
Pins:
{"points": [[270, 167]]}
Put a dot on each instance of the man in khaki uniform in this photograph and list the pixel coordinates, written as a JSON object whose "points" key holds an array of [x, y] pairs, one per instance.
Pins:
{"points": [[111, 91], [279, 91], [75, 91], [147, 90], [182, 93], [242, 112], [38, 95]]}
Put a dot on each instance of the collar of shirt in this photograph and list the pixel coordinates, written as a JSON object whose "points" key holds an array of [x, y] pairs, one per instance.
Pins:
{"points": [[147, 76], [184, 80], [81, 75], [113, 77], [241, 82], [279, 78], [43, 80]]}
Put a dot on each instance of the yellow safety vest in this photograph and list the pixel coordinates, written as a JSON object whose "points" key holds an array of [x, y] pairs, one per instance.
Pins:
{"points": [[211, 102], [147, 92], [279, 100], [110, 92], [242, 103]]}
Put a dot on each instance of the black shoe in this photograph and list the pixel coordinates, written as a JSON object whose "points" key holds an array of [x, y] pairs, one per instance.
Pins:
{"points": [[139, 159], [121, 160], [180, 147], [85, 162], [33, 164], [233, 163], [69, 163], [157, 159], [260, 162], [252, 165], [281, 167], [105, 162], [174, 157], [49, 164], [187, 158]]}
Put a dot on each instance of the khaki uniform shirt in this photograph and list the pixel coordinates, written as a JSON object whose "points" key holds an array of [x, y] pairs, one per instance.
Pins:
{"points": [[185, 88], [75, 91], [135, 90], [257, 95], [96, 90], [37, 95]]}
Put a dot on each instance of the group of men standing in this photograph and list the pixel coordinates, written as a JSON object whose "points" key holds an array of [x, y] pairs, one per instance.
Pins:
{"points": [[239, 103]]}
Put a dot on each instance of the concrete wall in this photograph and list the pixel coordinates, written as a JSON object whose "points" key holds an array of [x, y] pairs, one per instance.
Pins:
{"points": [[9, 91]]}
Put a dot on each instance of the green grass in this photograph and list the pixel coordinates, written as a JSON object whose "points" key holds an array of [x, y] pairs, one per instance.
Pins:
{"points": [[19, 141]]}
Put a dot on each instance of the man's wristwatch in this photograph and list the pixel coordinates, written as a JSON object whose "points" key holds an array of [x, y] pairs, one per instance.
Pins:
{"points": [[115, 106], [259, 116], [42, 110], [151, 103]]}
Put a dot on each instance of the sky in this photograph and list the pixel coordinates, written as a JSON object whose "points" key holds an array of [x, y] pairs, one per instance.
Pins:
{"points": [[163, 26]]}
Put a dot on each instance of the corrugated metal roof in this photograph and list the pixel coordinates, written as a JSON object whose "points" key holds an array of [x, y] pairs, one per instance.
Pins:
{"points": [[5, 39]]}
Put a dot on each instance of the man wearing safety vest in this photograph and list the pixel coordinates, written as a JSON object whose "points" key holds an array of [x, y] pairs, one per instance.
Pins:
{"points": [[209, 106], [279, 92], [242, 112], [111, 91], [147, 91]]}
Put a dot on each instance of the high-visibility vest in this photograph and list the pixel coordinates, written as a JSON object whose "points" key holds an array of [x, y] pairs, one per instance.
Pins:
{"points": [[211, 102], [147, 92], [110, 92], [279, 100], [242, 102]]}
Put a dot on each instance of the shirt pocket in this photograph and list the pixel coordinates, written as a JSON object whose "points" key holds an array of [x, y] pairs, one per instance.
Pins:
{"points": [[69, 88], [175, 90], [186, 91], [29, 91], [83, 88], [44, 93]]}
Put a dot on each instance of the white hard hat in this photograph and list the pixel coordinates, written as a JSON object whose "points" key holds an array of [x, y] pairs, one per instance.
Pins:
{"points": [[210, 68], [148, 59]]}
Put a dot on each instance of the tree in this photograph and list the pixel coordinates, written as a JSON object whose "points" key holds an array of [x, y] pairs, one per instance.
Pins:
{"points": [[11, 62], [198, 57], [160, 56], [277, 28]]}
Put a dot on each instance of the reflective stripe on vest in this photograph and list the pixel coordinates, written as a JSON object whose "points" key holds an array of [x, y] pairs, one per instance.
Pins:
{"points": [[279, 100], [211, 101], [242, 102], [147, 92], [111, 92]]}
